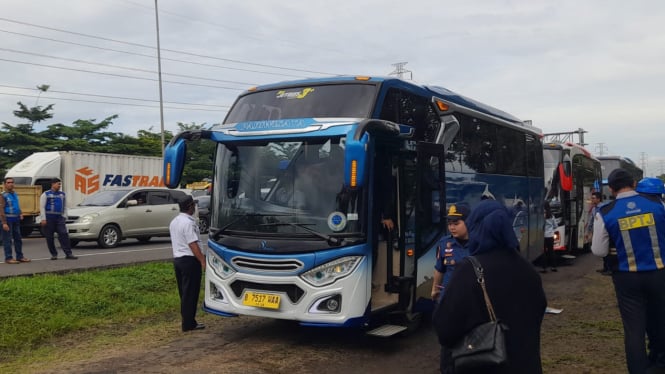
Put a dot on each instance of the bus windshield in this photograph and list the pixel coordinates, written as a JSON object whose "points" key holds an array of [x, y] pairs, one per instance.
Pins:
{"points": [[290, 189], [325, 101]]}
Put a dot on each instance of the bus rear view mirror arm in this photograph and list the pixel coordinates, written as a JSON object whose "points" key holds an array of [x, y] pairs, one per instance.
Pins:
{"points": [[376, 125]]}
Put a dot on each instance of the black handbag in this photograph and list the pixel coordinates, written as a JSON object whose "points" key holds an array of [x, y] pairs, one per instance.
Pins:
{"points": [[484, 346]]}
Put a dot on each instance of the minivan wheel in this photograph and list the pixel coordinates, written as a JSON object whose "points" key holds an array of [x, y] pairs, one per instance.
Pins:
{"points": [[109, 237]]}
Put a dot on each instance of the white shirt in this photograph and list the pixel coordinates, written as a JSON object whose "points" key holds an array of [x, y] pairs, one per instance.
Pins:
{"points": [[184, 230], [600, 244]]}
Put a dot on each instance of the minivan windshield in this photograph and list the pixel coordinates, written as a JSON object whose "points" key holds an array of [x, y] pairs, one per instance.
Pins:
{"points": [[104, 198]]}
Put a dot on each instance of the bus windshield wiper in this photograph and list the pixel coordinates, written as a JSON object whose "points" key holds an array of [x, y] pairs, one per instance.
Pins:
{"points": [[239, 217], [328, 238]]}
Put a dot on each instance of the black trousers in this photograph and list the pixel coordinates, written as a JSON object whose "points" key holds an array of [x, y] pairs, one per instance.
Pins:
{"points": [[549, 260], [57, 225], [641, 299], [188, 274]]}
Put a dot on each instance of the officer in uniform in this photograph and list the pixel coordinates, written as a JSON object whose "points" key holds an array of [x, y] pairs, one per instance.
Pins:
{"points": [[53, 214], [452, 249], [635, 225]]}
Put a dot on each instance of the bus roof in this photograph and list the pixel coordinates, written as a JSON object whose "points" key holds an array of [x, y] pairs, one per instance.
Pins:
{"points": [[441, 92]]}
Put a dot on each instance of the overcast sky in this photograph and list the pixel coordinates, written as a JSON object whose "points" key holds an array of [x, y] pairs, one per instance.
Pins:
{"points": [[592, 64]]}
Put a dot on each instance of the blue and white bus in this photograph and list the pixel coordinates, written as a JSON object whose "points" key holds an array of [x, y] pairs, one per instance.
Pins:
{"points": [[297, 196]]}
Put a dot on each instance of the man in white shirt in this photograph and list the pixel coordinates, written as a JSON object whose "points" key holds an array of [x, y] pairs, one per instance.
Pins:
{"points": [[188, 261]]}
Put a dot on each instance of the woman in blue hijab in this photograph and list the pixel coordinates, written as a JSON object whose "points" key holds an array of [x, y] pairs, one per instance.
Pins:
{"points": [[513, 285]]}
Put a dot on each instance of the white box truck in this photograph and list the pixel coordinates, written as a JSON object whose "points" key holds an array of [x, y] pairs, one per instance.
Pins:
{"points": [[84, 173]]}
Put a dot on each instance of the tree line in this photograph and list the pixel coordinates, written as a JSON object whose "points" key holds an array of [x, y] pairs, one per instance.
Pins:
{"points": [[20, 140]]}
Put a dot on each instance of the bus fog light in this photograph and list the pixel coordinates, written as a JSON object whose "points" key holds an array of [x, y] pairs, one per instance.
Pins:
{"points": [[332, 305], [215, 293], [328, 304]]}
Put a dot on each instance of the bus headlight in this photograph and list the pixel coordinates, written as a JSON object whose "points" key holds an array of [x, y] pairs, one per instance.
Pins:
{"points": [[221, 268], [331, 271]]}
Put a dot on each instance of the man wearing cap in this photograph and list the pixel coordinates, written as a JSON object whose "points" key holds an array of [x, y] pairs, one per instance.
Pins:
{"points": [[635, 225], [188, 262], [451, 251], [53, 214]]}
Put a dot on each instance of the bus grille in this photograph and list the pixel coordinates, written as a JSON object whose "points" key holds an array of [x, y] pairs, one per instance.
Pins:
{"points": [[254, 264], [291, 290]]}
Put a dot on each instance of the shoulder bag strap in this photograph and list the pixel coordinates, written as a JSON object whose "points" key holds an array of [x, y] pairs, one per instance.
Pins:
{"points": [[480, 277]]}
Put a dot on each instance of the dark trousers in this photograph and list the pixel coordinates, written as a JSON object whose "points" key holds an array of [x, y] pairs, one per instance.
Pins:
{"points": [[549, 259], [14, 234], [188, 275], [641, 299], [57, 225]]}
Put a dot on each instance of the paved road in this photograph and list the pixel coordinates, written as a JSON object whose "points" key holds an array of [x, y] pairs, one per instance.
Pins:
{"points": [[90, 256]]}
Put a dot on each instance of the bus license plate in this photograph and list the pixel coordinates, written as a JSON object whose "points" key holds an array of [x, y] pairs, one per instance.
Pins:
{"points": [[261, 300]]}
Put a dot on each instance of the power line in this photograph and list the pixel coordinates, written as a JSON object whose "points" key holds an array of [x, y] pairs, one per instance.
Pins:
{"points": [[116, 97], [163, 49], [148, 56], [120, 75], [122, 67], [113, 103]]}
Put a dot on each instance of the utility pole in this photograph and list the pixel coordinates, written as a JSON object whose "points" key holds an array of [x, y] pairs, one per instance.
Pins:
{"points": [[159, 73], [643, 162], [400, 71], [601, 148]]}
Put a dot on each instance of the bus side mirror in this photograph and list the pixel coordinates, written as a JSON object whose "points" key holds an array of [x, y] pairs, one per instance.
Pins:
{"points": [[355, 161], [174, 162], [566, 174]]}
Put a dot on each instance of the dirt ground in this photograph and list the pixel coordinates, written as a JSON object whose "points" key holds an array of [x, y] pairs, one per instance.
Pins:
{"points": [[585, 338]]}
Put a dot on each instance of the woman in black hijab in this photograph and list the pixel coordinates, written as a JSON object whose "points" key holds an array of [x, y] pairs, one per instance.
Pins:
{"points": [[513, 285]]}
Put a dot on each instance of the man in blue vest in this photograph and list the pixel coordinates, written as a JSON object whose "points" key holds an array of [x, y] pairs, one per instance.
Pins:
{"points": [[634, 224], [11, 216], [53, 214]]}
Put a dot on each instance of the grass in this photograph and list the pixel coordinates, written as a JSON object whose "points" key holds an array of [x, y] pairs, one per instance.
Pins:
{"points": [[39, 312]]}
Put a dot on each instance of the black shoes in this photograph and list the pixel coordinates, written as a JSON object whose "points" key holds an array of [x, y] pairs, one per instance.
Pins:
{"points": [[70, 257], [554, 270], [54, 257], [199, 326]]}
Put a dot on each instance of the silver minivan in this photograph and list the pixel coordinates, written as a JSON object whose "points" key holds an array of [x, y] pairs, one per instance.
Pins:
{"points": [[109, 216]]}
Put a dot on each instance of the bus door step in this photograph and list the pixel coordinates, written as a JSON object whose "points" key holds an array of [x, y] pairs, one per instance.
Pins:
{"points": [[386, 330]]}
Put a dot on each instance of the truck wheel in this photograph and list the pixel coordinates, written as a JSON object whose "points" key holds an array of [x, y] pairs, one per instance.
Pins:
{"points": [[109, 237], [26, 231]]}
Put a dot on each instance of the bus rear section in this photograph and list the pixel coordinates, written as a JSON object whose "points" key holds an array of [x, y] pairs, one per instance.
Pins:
{"points": [[572, 174]]}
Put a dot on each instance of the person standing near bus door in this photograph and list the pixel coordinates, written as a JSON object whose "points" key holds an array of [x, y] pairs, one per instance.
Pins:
{"points": [[11, 217], [53, 214], [549, 259], [452, 250], [635, 224], [386, 212], [596, 199], [188, 262], [654, 189], [514, 288]]}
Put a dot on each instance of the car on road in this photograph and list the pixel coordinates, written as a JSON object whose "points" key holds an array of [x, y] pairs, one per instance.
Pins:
{"points": [[203, 205], [112, 215]]}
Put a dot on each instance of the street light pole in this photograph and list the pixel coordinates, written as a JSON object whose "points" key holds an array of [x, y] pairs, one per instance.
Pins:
{"points": [[159, 73]]}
